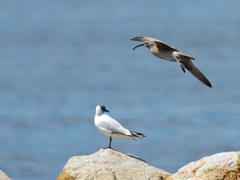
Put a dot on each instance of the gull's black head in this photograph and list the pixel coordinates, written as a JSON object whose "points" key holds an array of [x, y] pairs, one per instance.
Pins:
{"points": [[103, 108]]}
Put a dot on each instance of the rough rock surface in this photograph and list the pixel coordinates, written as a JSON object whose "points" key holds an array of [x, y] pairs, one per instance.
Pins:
{"points": [[222, 166], [3, 176], [110, 164]]}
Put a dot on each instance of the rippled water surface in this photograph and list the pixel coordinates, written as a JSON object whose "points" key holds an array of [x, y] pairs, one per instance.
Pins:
{"points": [[59, 59]]}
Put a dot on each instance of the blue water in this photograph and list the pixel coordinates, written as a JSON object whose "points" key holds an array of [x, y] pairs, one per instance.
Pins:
{"points": [[59, 59]]}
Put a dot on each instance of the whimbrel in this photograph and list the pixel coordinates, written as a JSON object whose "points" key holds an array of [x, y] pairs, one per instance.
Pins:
{"points": [[164, 51]]}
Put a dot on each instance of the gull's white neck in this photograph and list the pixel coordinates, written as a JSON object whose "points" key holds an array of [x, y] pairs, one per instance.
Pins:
{"points": [[99, 111]]}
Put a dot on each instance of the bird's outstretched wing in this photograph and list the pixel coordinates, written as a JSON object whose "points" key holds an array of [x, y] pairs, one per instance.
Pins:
{"points": [[196, 72], [159, 43]]}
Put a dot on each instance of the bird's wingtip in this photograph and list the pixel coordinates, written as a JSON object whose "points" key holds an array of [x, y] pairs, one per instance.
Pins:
{"points": [[134, 39]]}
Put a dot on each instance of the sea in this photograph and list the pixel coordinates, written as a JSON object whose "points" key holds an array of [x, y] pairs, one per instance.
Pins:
{"points": [[59, 59]]}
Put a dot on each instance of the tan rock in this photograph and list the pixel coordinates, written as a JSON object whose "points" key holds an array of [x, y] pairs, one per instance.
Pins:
{"points": [[222, 166], [113, 165], [110, 164], [3, 176]]}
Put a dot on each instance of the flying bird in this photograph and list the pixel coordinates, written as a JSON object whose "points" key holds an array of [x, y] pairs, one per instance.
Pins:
{"points": [[111, 127], [166, 52]]}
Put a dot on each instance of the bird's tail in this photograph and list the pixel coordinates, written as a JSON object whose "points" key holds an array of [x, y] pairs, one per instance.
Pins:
{"points": [[136, 134]]}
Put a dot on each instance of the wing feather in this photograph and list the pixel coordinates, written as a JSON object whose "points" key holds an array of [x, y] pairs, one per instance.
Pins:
{"points": [[159, 43]]}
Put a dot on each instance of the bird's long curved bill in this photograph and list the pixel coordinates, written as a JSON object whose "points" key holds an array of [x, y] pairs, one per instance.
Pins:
{"points": [[138, 46]]}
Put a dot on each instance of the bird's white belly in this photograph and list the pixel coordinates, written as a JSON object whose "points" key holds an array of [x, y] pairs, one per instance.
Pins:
{"points": [[165, 56], [110, 134]]}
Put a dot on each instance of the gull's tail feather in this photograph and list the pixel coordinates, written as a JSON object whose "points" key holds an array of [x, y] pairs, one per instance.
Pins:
{"points": [[136, 134]]}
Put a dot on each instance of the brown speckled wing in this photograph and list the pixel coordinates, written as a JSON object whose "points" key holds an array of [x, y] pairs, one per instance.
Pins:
{"points": [[159, 43], [196, 72]]}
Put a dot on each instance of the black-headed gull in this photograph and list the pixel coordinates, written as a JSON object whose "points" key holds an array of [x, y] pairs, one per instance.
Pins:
{"points": [[111, 127]]}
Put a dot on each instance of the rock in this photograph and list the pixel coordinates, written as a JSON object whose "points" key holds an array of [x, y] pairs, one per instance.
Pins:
{"points": [[222, 166], [3, 176], [110, 164]]}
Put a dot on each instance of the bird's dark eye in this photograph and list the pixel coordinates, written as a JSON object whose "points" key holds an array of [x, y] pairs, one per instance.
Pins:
{"points": [[103, 108]]}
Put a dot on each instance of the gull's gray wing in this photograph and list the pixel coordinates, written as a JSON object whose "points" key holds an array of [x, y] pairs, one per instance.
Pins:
{"points": [[111, 125]]}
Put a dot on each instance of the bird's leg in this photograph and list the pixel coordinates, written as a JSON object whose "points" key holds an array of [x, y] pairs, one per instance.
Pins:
{"points": [[109, 147], [175, 55], [110, 142], [182, 66]]}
